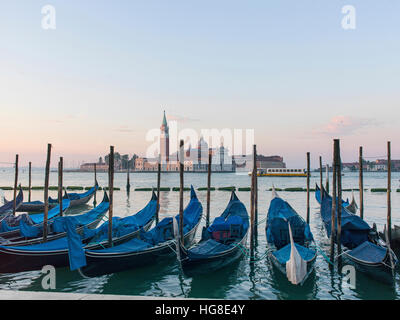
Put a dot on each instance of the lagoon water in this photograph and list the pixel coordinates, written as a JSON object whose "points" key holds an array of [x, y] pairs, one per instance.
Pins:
{"points": [[240, 280]]}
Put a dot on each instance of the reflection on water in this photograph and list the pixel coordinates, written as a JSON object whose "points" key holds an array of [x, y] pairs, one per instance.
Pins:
{"points": [[242, 279]]}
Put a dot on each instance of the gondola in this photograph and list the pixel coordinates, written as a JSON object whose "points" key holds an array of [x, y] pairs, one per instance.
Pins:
{"points": [[57, 252], [9, 205], [351, 206], [76, 199], [152, 246], [30, 235], [10, 226], [221, 243], [363, 247], [345, 203], [289, 239]]}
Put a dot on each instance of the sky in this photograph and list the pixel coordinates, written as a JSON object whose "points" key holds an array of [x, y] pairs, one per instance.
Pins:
{"points": [[286, 69]]}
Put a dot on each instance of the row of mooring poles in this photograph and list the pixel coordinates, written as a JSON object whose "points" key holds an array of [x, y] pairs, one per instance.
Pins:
{"points": [[337, 196], [389, 188]]}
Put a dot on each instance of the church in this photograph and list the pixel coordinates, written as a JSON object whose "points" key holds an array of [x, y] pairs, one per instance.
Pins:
{"points": [[195, 159]]}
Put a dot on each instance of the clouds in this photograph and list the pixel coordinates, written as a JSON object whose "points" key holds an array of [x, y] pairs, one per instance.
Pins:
{"points": [[345, 125]]}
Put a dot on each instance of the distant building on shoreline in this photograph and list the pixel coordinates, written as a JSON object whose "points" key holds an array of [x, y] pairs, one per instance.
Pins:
{"points": [[379, 165], [100, 166], [195, 159]]}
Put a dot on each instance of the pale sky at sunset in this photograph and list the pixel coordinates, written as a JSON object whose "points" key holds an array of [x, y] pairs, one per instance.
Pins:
{"points": [[286, 69]]}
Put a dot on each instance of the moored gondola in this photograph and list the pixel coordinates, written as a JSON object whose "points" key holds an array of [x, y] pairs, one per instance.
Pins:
{"points": [[76, 199], [8, 206], [11, 226], [364, 248], [31, 234], [57, 252], [221, 243], [289, 239], [152, 246]]}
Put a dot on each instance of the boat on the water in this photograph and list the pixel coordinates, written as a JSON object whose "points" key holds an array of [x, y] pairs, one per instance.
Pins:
{"points": [[280, 172], [8, 206], [58, 253], [221, 243], [363, 246], [76, 199], [24, 224], [351, 207], [290, 241], [152, 246], [33, 234]]}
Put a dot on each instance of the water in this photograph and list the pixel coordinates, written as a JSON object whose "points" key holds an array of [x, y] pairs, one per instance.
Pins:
{"points": [[240, 280]]}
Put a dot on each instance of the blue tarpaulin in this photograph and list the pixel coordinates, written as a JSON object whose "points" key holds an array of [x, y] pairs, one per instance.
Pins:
{"points": [[354, 229], [280, 213], [283, 254], [224, 232]]}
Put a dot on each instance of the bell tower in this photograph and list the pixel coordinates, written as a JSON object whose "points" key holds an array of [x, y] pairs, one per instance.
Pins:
{"points": [[164, 141]]}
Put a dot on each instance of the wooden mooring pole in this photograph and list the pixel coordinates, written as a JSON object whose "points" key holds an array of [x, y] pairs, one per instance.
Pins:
{"points": [[111, 193], [60, 184], [128, 184], [327, 178], [308, 188], [95, 180], [181, 184], [255, 197], [208, 188], [361, 182], [30, 182], [15, 185], [389, 191], [158, 192], [320, 176], [339, 204], [333, 214], [46, 192], [252, 202]]}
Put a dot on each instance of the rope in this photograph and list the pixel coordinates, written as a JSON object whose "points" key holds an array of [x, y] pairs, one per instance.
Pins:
{"points": [[262, 221], [245, 251], [323, 254]]}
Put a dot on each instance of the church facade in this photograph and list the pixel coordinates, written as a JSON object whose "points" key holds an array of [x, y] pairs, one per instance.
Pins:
{"points": [[195, 159]]}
